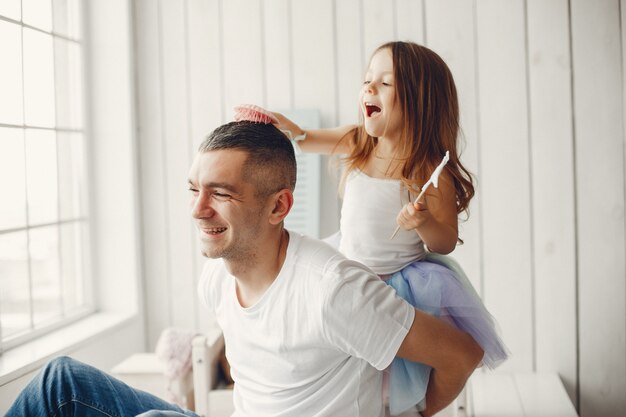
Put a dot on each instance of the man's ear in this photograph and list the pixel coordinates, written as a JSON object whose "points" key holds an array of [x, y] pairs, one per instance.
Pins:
{"points": [[282, 202]]}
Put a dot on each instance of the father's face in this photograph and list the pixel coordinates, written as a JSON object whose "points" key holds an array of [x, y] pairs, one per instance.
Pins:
{"points": [[227, 214]]}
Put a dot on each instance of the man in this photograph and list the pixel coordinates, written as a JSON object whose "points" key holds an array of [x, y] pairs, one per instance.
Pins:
{"points": [[307, 331]]}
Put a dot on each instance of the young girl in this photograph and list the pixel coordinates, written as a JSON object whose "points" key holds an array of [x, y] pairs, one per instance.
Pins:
{"points": [[409, 119]]}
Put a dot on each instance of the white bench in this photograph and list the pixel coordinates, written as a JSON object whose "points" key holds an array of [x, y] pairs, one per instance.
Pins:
{"points": [[517, 395], [209, 402]]}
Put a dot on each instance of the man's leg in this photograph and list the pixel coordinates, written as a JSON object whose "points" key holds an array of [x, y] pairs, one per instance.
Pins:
{"points": [[66, 387]]}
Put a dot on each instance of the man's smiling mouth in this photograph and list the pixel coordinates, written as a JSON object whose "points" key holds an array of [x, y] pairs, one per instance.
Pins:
{"points": [[213, 230]]}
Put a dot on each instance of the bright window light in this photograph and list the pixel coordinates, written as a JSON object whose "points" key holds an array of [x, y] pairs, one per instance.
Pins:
{"points": [[44, 220]]}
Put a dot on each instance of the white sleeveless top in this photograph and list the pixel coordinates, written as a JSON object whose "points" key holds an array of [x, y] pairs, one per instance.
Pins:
{"points": [[368, 219]]}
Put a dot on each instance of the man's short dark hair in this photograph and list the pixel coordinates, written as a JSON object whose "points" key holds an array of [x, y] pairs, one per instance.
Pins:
{"points": [[271, 162]]}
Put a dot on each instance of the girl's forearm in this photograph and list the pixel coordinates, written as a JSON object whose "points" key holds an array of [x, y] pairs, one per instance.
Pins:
{"points": [[327, 141], [437, 236], [324, 141]]}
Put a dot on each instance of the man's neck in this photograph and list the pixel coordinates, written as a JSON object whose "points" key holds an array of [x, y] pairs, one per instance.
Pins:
{"points": [[256, 273]]}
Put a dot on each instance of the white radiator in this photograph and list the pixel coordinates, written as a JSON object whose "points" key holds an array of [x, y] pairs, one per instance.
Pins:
{"points": [[305, 213]]}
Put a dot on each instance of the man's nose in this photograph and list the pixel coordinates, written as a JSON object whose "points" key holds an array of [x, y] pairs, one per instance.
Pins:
{"points": [[201, 207]]}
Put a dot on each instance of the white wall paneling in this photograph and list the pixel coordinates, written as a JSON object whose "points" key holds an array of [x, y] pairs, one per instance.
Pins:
{"points": [[552, 168], [314, 82], [305, 212], [410, 20], [540, 88], [153, 176], [504, 179], [379, 25], [277, 54], [599, 161], [177, 160], [205, 92], [313, 58], [205, 84], [350, 58], [452, 35], [242, 54]]}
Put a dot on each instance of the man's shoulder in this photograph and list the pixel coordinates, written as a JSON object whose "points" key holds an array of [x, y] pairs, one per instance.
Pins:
{"points": [[212, 282], [212, 265], [313, 252], [212, 271], [320, 256]]}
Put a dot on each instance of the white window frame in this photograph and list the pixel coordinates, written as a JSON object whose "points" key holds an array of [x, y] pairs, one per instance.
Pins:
{"points": [[116, 328], [87, 307]]}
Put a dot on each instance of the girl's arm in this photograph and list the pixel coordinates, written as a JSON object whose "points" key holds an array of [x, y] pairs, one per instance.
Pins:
{"points": [[324, 141], [434, 218]]}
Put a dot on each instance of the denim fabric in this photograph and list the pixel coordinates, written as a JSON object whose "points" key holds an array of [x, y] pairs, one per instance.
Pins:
{"points": [[66, 387]]}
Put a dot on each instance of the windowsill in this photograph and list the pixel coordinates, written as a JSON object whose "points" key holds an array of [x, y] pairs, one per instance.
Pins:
{"points": [[28, 357]]}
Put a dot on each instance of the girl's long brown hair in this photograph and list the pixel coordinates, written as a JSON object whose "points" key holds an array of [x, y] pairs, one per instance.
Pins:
{"points": [[428, 100]]}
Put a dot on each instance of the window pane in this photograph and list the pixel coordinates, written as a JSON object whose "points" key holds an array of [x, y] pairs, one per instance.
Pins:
{"points": [[11, 102], [38, 79], [72, 181], [12, 179], [11, 9], [72, 266], [38, 13], [69, 87], [66, 18], [15, 294], [45, 272], [41, 176]]}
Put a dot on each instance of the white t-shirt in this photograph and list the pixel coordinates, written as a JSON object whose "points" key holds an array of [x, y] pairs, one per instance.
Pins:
{"points": [[314, 343], [368, 219]]}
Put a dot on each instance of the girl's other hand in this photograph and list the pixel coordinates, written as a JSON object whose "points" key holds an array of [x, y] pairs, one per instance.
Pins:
{"points": [[414, 215], [323, 141]]}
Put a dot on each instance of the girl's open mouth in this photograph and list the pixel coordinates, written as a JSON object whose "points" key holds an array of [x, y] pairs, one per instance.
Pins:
{"points": [[371, 109]]}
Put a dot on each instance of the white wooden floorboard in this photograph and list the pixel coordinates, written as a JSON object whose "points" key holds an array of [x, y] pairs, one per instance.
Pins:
{"points": [[543, 395]]}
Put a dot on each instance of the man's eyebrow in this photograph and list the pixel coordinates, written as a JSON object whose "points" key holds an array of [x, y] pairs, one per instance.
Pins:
{"points": [[223, 185]]}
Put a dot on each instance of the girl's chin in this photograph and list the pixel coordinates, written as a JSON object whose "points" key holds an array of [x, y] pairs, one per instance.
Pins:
{"points": [[373, 130]]}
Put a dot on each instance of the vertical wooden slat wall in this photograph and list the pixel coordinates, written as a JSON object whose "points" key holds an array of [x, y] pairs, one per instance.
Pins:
{"points": [[156, 257], [541, 91], [350, 59], [599, 165], [504, 178], [177, 159], [453, 36], [277, 54], [552, 188]]}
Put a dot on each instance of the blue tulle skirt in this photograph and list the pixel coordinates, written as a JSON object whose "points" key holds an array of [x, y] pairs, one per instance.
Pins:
{"points": [[438, 286]]}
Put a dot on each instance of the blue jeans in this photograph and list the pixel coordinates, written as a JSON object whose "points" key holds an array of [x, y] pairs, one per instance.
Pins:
{"points": [[66, 387]]}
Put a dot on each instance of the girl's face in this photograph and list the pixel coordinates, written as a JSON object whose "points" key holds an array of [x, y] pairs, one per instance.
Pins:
{"points": [[381, 111]]}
